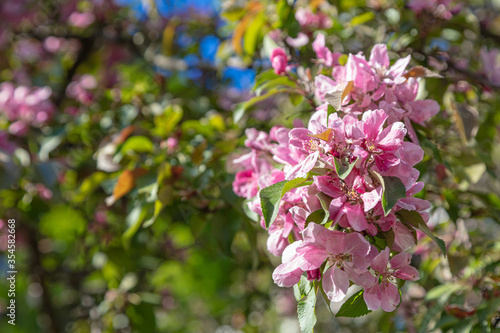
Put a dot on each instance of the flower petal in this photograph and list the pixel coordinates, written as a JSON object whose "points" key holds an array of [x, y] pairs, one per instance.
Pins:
{"points": [[372, 297], [381, 260], [389, 297], [408, 273], [335, 284]]}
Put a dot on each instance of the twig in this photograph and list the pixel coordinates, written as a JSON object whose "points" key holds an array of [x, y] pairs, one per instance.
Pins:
{"points": [[37, 270]]}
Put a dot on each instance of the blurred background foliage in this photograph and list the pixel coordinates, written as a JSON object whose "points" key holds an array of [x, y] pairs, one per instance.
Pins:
{"points": [[122, 191]]}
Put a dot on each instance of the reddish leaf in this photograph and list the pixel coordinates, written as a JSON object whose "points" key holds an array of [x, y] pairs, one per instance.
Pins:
{"points": [[325, 136], [125, 184], [124, 134], [420, 71], [459, 312]]}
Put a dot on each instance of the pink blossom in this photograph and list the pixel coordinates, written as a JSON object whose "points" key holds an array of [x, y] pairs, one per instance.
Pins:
{"points": [[5, 144], [80, 89], [385, 294], [290, 223], [19, 128], [279, 60], [53, 44], [25, 106], [347, 257], [81, 20], [490, 64], [438, 8], [323, 53], [343, 156], [29, 50], [299, 41], [307, 19], [43, 192], [172, 144], [404, 239]]}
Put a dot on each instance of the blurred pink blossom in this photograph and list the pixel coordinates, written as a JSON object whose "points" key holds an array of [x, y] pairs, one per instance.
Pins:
{"points": [[307, 19], [80, 88], [490, 64], [5, 144], [25, 106], [438, 8], [81, 20]]}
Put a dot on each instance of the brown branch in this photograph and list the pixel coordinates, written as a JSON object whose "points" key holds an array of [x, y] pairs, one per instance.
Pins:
{"points": [[38, 271], [87, 45], [473, 76]]}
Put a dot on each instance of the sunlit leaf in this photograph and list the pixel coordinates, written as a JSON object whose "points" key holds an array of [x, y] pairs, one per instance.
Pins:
{"points": [[354, 307]]}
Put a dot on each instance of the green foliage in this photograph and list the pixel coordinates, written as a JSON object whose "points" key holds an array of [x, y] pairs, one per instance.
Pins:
{"points": [[63, 223], [320, 216], [270, 197], [354, 307], [392, 190], [306, 305], [415, 219], [343, 170]]}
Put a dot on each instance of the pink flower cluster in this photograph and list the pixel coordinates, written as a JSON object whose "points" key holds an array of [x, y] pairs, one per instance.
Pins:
{"points": [[25, 106], [375, 85], [313, 21], [81, 89], [345, 163], [438, 8]]}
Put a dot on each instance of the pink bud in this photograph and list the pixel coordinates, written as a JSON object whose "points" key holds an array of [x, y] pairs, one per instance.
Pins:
{"points": [[279, 61], [314, 274]]}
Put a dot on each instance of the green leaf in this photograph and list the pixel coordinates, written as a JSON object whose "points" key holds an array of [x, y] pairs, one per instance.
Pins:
{"points": [[279, 81], [49, 144], [143, 319], [363, 18], [265, 77], [134, 220], [354, 307], [63, 222], [302, 288], [89, 185], [343, 170], [390, 236], [436, 153], [319, 216], [393, 190], [254, 34], [166, 122], [306, 312], [415, 219], [165, 195], [138, 144], [296, 99], [240, 109], [379, 242], [294, 183], [270, 197]]}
